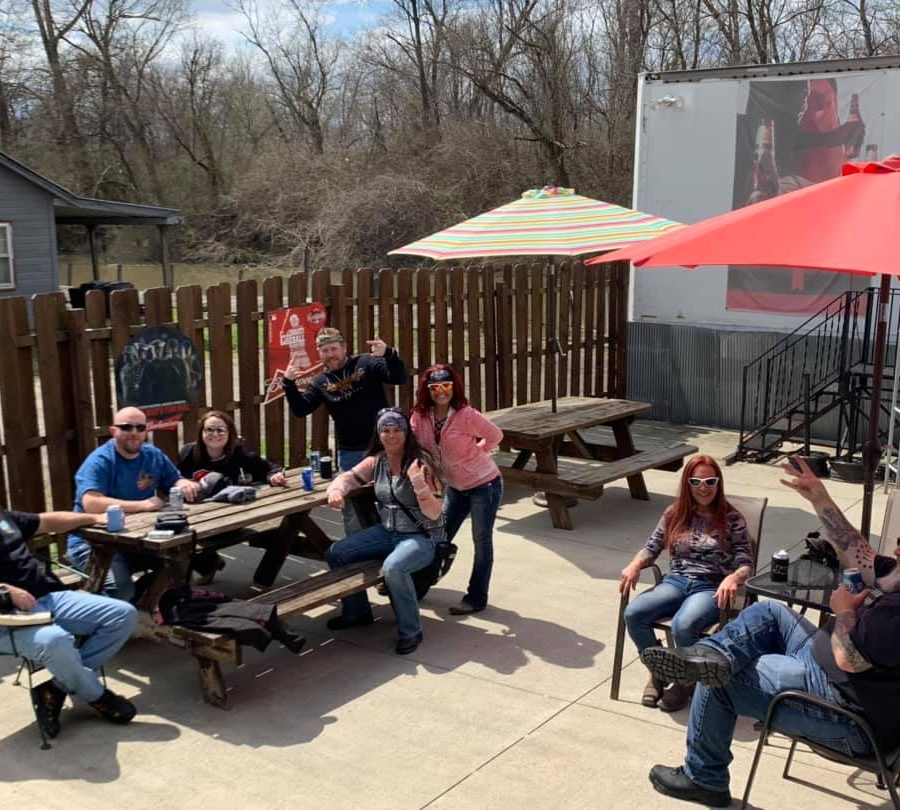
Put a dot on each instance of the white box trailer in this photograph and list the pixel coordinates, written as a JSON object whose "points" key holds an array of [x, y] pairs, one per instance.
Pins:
{"points": [[709, 141]]}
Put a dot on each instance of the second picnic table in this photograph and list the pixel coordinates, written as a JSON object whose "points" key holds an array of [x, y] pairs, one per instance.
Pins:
{"points": [[565, 464], [278, 519]]}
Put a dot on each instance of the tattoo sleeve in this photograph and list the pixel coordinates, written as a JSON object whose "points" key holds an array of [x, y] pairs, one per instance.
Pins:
{"points": [[851, 547], [846, 656]]}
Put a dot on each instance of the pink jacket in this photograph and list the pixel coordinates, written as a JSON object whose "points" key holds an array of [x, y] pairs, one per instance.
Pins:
{"points": [[467, 438]]}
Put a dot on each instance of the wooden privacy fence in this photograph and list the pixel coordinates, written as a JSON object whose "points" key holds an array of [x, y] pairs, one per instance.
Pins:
{"points": [[56, 373]]}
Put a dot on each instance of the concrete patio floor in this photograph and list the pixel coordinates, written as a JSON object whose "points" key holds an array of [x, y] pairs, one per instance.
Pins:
{"points": [[508, 708]]}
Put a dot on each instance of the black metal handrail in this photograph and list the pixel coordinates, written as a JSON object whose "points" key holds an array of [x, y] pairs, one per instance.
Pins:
{"points": [[819, 354]]}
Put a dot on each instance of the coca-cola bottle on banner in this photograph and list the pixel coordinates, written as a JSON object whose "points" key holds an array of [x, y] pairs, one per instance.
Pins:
{"points": [[853, 146], [765, 178]]}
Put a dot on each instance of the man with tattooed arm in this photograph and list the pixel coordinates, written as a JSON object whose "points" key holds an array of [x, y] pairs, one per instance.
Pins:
{"points": [[854, 661]]}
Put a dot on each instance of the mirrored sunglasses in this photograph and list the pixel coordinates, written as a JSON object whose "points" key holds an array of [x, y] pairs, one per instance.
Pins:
{"points": [[215, 431], [441, 387], [128, 428], [707, 482]]}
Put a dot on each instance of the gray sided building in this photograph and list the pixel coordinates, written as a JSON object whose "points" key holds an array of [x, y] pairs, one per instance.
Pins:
{"points": [[31, 208]]}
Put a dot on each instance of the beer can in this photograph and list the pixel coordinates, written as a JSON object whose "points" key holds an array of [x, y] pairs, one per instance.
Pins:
{"points": [[306, 474], [314, 460], [176, 498], [852, 580], [325, 470], [779, 569], [115, 518]]}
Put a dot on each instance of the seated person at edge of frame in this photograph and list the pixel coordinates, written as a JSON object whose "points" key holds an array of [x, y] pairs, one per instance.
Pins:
{"points": [[127, 471], [711, 557], [103, 624], [218, 448], [409, 501], [854, 661]]}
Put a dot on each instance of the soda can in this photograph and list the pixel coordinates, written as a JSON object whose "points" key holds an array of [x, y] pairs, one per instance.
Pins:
{"points": [[314, 460], [852, 580], [306, 475], [176, 498], [115, 518], [779, 569], [325, 468]]}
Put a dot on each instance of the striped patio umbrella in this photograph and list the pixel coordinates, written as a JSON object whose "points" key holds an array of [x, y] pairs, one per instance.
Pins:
{"points": [[543, 222]]}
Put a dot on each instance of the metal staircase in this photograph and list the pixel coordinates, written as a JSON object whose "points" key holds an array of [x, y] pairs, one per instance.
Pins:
{"points": [[824, 364]]}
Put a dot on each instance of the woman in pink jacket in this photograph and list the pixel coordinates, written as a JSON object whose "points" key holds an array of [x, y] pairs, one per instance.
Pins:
{"points": [[461, 438]]}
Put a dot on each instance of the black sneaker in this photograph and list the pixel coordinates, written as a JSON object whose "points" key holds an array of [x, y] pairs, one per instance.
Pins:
{"points": [[675, 782], [687, 665], [48, 700], [340, 623], [114, 708], [407, 645]]}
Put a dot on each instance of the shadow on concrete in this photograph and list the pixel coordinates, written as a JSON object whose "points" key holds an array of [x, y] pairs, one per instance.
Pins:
{"points": [[85, 751]]}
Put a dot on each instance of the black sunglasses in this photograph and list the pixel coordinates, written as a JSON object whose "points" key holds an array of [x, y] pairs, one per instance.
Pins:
{"points": [[128, 428]]}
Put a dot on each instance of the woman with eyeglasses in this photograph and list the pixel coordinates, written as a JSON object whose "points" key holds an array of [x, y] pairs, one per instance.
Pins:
{"points": [[407, 491], [710, 557], [462, 439], [218, 449]]}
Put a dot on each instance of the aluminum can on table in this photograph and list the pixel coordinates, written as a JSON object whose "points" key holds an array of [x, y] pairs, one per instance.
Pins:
{"points": [[306, 475]]}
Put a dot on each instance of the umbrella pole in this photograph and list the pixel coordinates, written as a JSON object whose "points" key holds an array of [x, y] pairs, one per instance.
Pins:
{"points": [[553, 348], [872, 449]]}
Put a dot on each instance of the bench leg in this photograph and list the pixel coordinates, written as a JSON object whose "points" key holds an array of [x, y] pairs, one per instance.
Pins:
{"points": [[625, 446], [545, 462], [212, 684]]}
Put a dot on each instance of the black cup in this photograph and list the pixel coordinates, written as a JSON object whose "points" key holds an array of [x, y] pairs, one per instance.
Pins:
{"points": [[779, 569], [325, 472]]}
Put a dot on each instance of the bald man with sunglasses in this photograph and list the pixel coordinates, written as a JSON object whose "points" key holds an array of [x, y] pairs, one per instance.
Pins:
{"points": [[125, 471]]}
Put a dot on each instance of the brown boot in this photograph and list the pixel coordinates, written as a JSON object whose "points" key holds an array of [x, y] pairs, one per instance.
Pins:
{"points": [[676, 697], [653, 691]]}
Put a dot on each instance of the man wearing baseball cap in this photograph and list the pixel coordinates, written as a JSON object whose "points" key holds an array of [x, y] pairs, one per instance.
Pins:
{"points": [[352, 389]]}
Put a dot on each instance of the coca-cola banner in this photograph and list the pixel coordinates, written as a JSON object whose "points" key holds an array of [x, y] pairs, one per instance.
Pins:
{"points": [[291, 340], [793, 133]]}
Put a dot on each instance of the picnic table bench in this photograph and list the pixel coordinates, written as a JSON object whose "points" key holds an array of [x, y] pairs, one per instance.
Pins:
{"points": [[211, 649], [554, 457]]}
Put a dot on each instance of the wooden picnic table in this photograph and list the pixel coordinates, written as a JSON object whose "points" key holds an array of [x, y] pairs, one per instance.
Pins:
{"points": [[554, 457], [285, 511]]}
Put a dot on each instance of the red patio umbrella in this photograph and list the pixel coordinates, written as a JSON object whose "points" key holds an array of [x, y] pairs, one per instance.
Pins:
{"points": [[848, 225]]}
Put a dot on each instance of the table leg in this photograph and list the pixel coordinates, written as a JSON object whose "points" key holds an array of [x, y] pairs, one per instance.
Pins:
{"points": [[545, 462], [172, 574], [625, 446], [522, 459], [98, 567]]}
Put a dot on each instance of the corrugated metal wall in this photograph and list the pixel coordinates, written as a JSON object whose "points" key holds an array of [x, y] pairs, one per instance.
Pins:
{"points": [[693, 375]]}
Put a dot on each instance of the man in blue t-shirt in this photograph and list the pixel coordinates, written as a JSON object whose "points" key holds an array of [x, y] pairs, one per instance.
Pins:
{"points": [[130, 473]]}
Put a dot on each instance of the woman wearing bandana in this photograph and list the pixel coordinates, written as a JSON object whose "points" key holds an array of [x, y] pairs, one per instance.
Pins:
{"points": [[409, 503], [461, 438]]}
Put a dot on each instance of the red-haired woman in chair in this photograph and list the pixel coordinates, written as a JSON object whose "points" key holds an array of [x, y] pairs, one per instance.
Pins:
{"points": [[710, 557]]}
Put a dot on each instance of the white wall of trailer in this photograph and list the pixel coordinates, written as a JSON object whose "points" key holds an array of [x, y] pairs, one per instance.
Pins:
{"points": [[685, 167]]}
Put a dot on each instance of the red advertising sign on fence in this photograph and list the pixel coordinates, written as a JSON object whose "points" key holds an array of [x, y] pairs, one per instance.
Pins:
{"points": [[291, 339]]}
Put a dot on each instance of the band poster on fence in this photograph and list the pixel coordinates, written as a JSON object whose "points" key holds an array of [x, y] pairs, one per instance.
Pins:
{"points": [[160, 372], [291, 340]]}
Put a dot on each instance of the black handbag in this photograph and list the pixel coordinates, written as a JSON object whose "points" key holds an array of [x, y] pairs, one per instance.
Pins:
{"points": [[176, 521], [444, 553]]}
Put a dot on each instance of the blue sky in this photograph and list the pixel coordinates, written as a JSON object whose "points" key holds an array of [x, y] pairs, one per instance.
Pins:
{"points": [[219, 19]]}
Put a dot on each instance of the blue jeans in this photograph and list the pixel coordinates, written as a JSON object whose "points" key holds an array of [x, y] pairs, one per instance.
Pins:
{"points": [[402, 555], [690, 602], [106, 624], [770, 649], [482, 504], [119, 583], [347, 460]]}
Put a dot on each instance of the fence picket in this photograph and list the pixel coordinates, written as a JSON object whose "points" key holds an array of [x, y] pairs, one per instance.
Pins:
{"points": [[273, 413]]}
